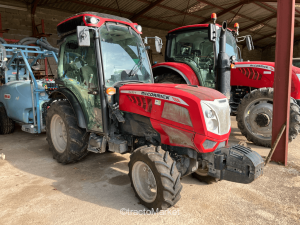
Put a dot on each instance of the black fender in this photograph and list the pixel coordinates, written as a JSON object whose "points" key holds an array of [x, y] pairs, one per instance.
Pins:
{"points": [[164, 68], [64, 93]]}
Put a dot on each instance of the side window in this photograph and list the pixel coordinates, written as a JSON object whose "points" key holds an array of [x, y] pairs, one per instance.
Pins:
{"points": [[77, 63]]}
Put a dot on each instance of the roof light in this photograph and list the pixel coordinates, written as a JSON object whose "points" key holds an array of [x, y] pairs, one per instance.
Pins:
{"points": [[138, 27], [110, 91], [214, 17], [236, 25], [93, 20]]}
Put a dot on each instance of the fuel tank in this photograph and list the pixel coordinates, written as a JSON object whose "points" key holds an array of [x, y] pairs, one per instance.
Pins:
{"points": [[17, 99], [176, 113]]}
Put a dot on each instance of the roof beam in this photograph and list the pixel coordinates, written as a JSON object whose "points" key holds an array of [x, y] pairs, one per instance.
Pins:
{"points": [[297, 1], [174, 10], [263, 37], [241, 15], [148, 8], [258, 22], [228, 9]]}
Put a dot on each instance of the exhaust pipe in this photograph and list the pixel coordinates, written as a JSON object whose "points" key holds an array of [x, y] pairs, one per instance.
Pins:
{"points": [[223, 66]]}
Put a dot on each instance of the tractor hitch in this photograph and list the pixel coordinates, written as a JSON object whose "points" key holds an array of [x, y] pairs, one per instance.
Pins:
{"points": [[235, 163]]}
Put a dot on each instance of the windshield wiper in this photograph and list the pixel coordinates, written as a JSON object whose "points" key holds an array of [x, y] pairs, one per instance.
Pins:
{"points": [[136, 68]]}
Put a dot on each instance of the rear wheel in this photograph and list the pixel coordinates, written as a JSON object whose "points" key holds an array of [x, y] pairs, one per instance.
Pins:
{"points": [[169, 78], [255, 117], [66, 140], [154, 177], [7, 125]]}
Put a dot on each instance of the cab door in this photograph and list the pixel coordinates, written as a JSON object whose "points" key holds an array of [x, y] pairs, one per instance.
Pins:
{"points": [[79, 71]]}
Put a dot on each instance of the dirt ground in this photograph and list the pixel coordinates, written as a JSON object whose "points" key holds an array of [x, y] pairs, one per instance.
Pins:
{"points": [[35, 189]]}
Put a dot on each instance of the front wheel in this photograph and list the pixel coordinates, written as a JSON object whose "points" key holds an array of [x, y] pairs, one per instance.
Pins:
{"points": [[255, 117], [154, 177], [67, 141]]}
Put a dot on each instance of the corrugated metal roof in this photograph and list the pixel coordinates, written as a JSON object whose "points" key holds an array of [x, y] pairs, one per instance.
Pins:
{"points": [[169, 14]]}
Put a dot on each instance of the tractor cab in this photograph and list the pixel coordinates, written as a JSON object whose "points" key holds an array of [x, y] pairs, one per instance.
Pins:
{"points": [[194, 46], [97, 51]]}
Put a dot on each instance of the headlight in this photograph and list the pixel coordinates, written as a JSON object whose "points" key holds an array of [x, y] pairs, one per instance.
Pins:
{"points": [[210, 118], [209, 113], [217, 115]]}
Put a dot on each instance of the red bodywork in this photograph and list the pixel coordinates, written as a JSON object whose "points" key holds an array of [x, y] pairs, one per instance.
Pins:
{"points": [[255, 74], [139, 99], [261, 74], [101, 21], [186, 71]]}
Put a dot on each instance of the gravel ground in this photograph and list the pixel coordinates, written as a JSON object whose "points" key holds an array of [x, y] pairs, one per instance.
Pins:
{"points": [[35, 189]]}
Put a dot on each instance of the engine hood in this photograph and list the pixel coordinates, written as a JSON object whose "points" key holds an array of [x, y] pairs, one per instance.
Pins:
{"points": [[259, 74], [175, 111]]}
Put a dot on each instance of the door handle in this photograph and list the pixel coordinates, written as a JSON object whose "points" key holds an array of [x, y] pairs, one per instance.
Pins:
{"points": [[93, 92]]}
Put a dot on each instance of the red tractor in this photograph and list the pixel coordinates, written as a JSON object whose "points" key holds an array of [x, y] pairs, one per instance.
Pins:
{"points": [[107, 101], [208, 55]]}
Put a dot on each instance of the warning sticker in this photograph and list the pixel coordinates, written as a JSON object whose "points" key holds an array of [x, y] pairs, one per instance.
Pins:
{"points": [[7, 96], [157, 102]]}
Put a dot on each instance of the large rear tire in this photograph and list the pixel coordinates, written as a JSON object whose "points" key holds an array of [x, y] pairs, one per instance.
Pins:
{"points": [[255, 117], [7, 125], [169, 78], [154, 177], [67, 142]]}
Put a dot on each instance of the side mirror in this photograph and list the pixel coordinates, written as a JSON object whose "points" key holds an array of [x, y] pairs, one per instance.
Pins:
{"points": [[212, 32], [249, 43], [83, 36], [158, 44]]}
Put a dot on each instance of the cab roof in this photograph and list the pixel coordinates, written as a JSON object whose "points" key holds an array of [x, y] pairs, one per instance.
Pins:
{"points": [[70, 24]]}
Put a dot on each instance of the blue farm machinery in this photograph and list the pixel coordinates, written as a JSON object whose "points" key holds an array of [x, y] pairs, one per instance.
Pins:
{"points": [[23, 97]]}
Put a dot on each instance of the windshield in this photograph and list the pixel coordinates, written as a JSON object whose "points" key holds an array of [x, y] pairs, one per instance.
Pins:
{"points": [[192, 47], [296, 62], [231, 46], [124, 55]]}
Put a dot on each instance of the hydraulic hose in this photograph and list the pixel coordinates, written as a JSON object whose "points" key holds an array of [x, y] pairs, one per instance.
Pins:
{"points": [[48, 47], [42, 42], [22, 41]]}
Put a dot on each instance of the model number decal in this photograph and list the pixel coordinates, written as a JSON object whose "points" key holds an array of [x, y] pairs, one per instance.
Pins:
{"points": [[7, 96], [271, 68], [157, 95]]}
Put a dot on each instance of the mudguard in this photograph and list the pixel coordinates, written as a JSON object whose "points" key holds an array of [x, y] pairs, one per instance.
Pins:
{"points": [[185, 71], [64, 93]]}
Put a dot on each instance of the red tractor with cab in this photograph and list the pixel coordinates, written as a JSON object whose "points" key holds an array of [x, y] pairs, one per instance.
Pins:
{"points": [[208, 55], [107, 101]]}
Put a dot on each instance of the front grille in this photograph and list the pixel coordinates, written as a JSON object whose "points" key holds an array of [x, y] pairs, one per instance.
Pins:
{"points": [[145, 103], [250, 73]]}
